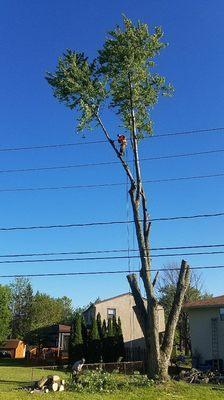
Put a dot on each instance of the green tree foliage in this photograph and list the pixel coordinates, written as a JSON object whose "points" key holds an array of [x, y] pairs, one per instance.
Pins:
{"points": [[47, 310], [76, 350], [94, 333], [127, 55], [66, 309], [21, 306], [5, 312], [99, 324], [104, 329], [109, 342], [119, 340], [104, 341], [94, 344], [85, 337], [110, 328]]}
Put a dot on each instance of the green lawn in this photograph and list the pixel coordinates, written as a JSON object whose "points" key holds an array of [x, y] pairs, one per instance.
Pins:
{"points": [[12, 378]]}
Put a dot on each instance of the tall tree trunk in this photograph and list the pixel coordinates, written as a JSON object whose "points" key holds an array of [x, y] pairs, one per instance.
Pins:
{"points": [[167, 344], [158, 357]]}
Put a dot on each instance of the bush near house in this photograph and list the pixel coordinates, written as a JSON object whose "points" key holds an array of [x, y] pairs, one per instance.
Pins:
{"points": [[100, 342]]}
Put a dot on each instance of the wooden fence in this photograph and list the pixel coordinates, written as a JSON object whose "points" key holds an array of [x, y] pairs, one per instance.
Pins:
{"points": [[127, 367]]}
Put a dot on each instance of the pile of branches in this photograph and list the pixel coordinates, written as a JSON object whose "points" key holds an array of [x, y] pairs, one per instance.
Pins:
{"points": [[51, 383], [195, 376]]}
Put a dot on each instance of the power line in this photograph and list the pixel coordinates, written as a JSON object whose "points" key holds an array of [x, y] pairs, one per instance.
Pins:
{"points": [[191, 132], [51, 168], [105, 223], [108, 251], [105, 272], [61, 145], [49, 146], [47, 260], [91, 186]]}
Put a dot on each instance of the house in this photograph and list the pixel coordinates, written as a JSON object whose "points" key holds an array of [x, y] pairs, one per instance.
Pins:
{"points": [[206, 319], [123, 306], [51, 341], [14, 348]]}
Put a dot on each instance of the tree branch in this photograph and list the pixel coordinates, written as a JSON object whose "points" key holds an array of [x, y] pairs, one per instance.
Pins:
{"points": [[155, 279], [145, 262], [182, 285], [135, 142], [125, 165], [140, 309], [146, 222]]}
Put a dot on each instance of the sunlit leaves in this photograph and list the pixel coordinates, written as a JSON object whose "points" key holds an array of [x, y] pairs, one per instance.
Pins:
{"points": [[127, 57]]}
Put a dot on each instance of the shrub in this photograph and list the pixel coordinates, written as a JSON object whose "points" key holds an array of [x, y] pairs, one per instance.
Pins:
{"points": [[101, 381]]}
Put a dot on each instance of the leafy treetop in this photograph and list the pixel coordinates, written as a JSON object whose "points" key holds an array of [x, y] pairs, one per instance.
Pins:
{"points": [[124, 64]]}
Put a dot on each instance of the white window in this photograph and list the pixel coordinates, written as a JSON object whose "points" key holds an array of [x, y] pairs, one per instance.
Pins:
{"points": [[111, 312], [221, 312]]}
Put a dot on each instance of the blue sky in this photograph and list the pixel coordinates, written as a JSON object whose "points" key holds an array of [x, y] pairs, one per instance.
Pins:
{"points": [[33, 34]]}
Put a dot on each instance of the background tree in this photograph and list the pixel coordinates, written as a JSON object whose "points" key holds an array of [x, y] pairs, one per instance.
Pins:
{"points": [[122, 78], [166, 288], [109, 342], [47, 310], [84, 337], [76, 351], [21, 307], [94, 345], [67, 309], [5, 312], [119, 340], [104, 340], [99, 324]]}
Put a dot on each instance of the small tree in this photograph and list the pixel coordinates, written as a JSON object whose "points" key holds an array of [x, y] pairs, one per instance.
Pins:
{"points": [[21, 306], [94, 347], [122, 78], [104, 328], [110, 348], [99, 324], [104, 340], [76, 339], [84, 337], [119, 339], [5, 312]]}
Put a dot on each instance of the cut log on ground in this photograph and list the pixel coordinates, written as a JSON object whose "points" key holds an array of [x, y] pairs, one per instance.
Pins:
{"points": [[51, 383], [41, 383], [54, 386]]}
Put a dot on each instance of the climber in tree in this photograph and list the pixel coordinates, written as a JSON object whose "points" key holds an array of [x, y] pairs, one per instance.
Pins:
{"points": [[123, 143]]}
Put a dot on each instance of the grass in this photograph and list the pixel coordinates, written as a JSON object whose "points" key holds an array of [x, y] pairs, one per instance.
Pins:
{"points": [[14, 377]]}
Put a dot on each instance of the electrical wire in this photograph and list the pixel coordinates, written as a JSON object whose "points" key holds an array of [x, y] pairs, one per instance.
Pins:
{"points": [[108, 251], [61, 145], [105, 272], [92, 186], [56, 167], [105, 223], [129, 257]]}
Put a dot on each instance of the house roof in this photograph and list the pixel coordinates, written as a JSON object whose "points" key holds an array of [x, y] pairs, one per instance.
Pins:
{"points": [[207, 303], [11, 344], [111, 298], [55, 329], [102, 301], [114, 297]]}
